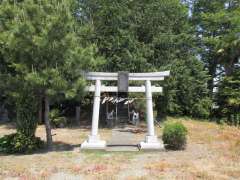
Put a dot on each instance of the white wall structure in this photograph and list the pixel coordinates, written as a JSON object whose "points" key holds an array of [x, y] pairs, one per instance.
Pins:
{"points": [[151, 141]]}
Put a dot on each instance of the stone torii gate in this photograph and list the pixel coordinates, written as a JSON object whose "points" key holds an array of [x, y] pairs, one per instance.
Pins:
{"points": [[151, 140]]}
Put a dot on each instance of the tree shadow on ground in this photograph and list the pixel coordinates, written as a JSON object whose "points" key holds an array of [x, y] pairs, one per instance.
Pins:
{"points": [[58, 146], [84, 127], [61, 146], [8, 125]]}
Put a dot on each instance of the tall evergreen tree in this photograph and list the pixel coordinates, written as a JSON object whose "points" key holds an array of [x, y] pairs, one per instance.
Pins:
{"points": [[113, 30], [228, 98], [41, 41], [142, 36], [217, 26]]}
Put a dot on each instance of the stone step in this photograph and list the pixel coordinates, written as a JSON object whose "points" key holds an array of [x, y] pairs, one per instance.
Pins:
{"points": [[122, 112], [122, 148], [122, 117]]}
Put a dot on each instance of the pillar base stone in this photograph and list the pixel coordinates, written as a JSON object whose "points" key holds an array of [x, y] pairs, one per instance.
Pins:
{"points": [[151, 143], [93, 142]]}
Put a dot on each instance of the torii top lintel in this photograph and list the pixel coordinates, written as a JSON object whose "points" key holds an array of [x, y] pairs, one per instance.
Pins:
{"points": [[153, 76]]}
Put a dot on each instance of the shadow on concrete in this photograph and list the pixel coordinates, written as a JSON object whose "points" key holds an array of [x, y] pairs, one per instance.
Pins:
{"points": [[134, 131]]}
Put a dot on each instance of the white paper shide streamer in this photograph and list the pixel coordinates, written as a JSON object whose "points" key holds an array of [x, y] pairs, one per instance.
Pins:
{"points": [[116, 100]]}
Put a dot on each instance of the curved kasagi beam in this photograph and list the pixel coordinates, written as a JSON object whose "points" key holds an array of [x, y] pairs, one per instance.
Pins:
{"points": [[153, 76]]}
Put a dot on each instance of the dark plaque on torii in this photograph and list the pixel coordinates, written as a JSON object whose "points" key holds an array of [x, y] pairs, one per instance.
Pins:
{"points": [[123, 77]]}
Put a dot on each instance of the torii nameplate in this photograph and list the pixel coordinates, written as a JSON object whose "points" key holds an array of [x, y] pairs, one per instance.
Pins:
{"points": [[123, 81]]}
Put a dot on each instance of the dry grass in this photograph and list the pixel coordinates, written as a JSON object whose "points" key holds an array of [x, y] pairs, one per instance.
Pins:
{"points": [[213, 152]]}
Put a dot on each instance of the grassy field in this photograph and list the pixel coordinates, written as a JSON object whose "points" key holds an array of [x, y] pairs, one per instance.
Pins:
{"points": [[213, 152]]}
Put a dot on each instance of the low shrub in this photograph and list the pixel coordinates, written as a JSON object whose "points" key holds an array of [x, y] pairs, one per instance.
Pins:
{"points": [[19, 143], [174, 136], [59, 122], [56, 120]]}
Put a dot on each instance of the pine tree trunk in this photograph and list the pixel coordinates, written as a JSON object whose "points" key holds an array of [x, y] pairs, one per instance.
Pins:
{"points": [[40, 111], [78, 111], [228, 69], [47, 122]]}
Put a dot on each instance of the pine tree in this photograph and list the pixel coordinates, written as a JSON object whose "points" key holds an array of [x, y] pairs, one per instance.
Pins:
{"points": [[228, 98], [217, 27], [41, 41]]}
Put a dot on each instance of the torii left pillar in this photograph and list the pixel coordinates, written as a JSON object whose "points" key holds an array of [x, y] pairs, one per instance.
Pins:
{"points": [[94, 141]]}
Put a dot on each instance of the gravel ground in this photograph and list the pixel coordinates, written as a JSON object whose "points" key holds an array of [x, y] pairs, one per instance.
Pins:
{"points": [[213, 152]]}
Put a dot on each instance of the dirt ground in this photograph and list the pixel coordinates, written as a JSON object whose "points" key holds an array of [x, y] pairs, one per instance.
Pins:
{"points": [[213, 152]]}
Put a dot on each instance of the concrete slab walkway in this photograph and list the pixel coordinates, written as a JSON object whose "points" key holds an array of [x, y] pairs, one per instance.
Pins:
{"points": [[122, 140]]}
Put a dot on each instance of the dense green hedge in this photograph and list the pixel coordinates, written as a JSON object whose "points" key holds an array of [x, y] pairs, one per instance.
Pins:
{"points": [[174, 136]]}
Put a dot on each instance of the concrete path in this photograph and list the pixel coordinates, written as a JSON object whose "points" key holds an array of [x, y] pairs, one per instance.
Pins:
{"points": [[122, 140]]}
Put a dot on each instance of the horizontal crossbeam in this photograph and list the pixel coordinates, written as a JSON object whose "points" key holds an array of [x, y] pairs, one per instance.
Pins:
{"points": [[153, 76], [130, 88]]}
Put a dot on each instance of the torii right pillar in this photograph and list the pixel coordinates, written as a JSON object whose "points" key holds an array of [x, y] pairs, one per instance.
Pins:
{"points": [[151, 140]]}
